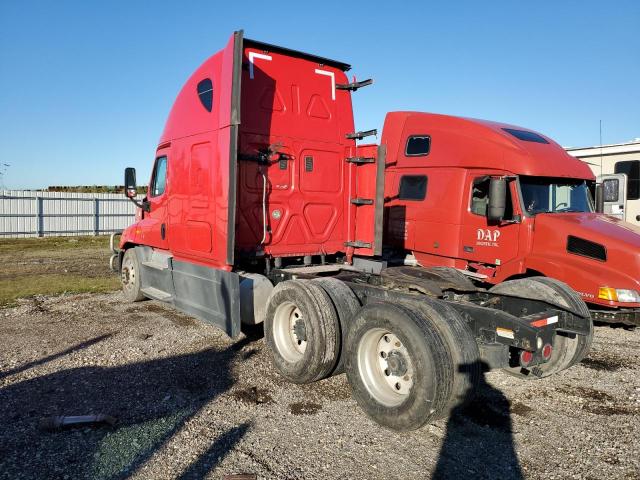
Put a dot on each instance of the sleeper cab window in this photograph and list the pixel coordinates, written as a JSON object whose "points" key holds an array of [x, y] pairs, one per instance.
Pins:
{"points": [[159, 177], [418, 146], [413, 187], [205, 93]]}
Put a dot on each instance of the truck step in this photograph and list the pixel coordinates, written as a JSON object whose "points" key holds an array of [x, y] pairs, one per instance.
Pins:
{"points": [[474, 275], [358, 244], [361, 160], [318, 269], [156, 294], [361, 201], [156, 265], [361, 135], [353, 86]]}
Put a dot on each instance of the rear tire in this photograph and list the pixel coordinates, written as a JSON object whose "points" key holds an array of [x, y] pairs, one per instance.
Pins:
{"points": [[302, 331], [346, 304], [467, 366], [130, 277], [399, 368], [567, 351]]}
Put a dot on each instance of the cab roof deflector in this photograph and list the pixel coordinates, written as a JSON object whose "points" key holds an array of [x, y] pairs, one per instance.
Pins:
{"points": [[295, 53]]}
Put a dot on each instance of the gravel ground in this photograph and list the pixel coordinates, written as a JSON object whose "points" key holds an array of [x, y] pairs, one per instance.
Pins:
{"points": [[192, 403]]}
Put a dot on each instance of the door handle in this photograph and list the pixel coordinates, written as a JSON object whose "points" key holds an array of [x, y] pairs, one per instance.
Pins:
{"points": [[163, 231]]}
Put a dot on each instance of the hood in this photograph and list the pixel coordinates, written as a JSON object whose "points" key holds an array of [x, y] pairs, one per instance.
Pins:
{"points": [[609, 231], [587, 251]]}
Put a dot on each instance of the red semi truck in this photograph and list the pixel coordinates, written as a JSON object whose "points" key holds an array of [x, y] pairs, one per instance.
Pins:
{"points": [[262, 207], [548, 225]]}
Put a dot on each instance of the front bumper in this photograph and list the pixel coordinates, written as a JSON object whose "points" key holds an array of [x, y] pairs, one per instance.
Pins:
{"points": [[625, 316], [114, 261]]}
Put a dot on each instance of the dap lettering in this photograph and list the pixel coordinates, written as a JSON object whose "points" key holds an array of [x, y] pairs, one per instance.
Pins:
{"points": [[488, 238]]}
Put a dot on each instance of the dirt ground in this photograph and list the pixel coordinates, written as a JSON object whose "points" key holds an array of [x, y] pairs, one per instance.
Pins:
{"points": [[192, 403]]}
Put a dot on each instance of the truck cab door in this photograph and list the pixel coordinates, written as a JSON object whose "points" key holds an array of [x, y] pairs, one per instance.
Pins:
{"points": [[482, 242], [154, 225], [614, 192]]}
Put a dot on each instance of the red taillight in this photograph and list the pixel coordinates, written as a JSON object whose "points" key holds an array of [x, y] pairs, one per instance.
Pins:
{"points": [[547, 350], [525, 358]]}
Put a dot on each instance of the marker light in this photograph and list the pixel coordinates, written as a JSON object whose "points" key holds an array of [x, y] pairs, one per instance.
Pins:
{"points": [[618, 295], [606, 293]]}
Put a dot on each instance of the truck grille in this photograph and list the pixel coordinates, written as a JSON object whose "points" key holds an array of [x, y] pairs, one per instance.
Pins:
{"points": [[586, 248]]}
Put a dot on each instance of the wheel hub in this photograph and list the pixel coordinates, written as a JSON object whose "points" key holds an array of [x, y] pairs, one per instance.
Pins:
{"points": [[299, 330], [128, 275], [396, 363]]}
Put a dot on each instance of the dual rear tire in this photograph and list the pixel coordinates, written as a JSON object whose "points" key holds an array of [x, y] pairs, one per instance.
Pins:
{"points": [[411, 363], [302, 330], [407, 363]]}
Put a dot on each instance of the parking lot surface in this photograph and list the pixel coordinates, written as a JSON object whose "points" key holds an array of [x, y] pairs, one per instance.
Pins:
{"points": [[191, 403]]}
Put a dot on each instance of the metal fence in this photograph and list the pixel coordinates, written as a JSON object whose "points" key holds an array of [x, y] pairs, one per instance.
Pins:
{"points": [[39, 214]]}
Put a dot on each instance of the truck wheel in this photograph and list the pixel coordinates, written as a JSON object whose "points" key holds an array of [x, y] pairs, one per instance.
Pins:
{"points": [[346, 304], [302, 331], [567, 351], [583, 344], [398, 366], [130, 277], [467, 366]]}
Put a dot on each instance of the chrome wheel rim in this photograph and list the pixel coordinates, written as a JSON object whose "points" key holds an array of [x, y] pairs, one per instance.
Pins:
{"points": [[289, 332], [385, 367], [128, 274]]}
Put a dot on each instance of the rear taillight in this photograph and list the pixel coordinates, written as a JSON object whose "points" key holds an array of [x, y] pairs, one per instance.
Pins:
{"points": [[525, 358]]}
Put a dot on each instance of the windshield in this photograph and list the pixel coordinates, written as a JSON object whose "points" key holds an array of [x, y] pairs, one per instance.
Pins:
{"points": [[555, 195]]}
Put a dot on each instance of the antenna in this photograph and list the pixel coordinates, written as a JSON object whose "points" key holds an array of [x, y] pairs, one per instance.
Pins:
{"points": [[600, 147], [3, 172]]}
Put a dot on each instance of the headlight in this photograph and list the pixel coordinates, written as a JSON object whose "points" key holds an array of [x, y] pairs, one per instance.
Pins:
{"points": [[628, 296], [619, 295]]}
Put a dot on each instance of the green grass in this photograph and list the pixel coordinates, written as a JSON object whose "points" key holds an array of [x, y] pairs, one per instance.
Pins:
{"points": [[9, 245], [53, 285], [54, 265]]}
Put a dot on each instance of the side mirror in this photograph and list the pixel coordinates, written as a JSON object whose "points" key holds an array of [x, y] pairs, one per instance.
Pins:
{"points": [[600, 198], [130, 189], [497, 200]]}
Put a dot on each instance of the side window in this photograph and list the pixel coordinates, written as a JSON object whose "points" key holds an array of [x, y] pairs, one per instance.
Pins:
{"points": [[413, 187], [418, 146], [480, 196], [205, 92], [632, 169], [159, 177]]}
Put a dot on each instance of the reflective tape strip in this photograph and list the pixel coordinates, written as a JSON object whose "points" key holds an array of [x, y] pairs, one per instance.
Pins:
{"points": [[252, 56], [505, 332], [543, 322]]}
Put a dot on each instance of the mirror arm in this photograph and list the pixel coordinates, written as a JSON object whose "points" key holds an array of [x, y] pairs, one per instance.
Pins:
{"points": [[144, 205]]}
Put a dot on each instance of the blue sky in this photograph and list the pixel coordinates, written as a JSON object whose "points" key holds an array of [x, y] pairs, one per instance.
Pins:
{"points": [[85, 87]]}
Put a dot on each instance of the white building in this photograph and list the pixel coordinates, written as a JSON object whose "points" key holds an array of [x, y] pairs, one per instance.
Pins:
{"points": [[617, 167]]}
